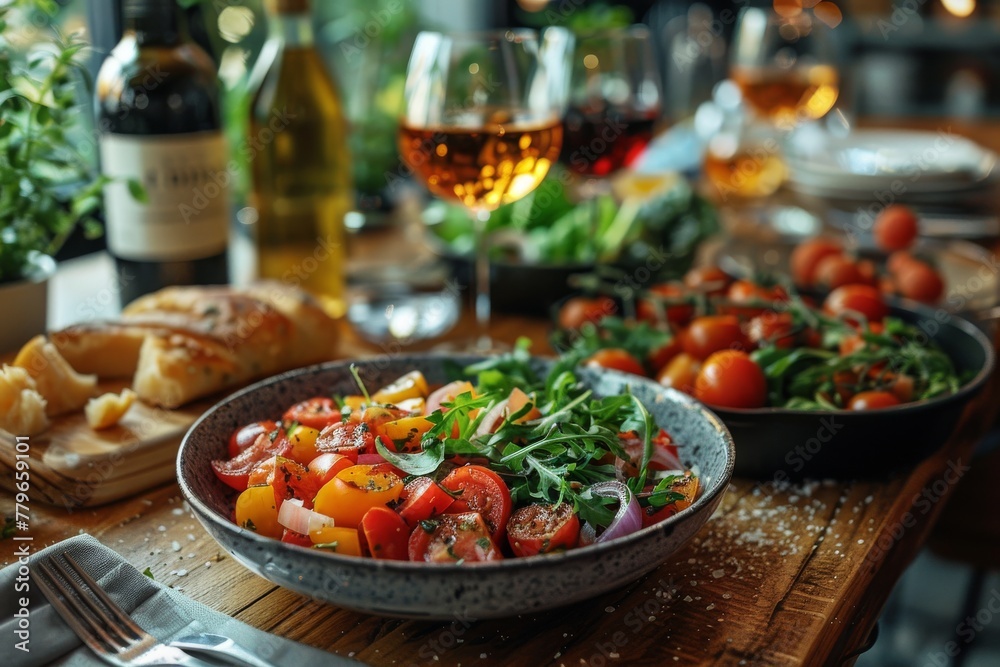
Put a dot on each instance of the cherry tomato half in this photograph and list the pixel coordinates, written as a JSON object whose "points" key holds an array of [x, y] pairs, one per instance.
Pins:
{"points": [[687, 486], [423, 498], [302, 443], [326, 466], [355, 490], [542, 529], [347, 439], [730, 379], [316, 413], [386, 534], [288, 478], [245, 436], [450, 538], [236, 471], [257, 510], [408, 386], [479, 489]]}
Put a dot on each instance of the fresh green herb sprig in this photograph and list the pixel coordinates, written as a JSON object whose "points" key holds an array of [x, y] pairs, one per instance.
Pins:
{"points": [[47, 184], [815, 378]]}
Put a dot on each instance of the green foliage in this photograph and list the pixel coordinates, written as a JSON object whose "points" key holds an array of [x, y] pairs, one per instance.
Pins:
{"points": [[552, 459], [46, 186], [546, 227], [598, 16]]}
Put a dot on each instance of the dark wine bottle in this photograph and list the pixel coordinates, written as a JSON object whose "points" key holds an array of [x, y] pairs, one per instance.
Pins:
{"points": [[160, 126]]}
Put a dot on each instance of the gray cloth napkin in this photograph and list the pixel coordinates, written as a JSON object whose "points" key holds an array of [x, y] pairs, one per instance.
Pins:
{"points": [[161, 611]]}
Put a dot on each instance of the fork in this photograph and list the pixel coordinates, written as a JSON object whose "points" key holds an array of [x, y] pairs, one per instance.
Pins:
{"points": [[102, 625]]}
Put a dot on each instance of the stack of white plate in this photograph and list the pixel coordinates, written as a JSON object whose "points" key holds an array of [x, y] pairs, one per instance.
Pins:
{"points": [[890, 166]]}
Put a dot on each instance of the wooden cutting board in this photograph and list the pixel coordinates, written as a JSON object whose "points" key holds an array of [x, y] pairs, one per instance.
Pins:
{"points": [[72, 465]]}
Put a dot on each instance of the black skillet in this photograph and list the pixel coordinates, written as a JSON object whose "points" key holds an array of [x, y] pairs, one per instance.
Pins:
{"points": [[778, 444]]}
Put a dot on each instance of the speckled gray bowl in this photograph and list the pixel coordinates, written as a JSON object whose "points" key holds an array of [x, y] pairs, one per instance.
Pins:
{"points": [[484, 590]]}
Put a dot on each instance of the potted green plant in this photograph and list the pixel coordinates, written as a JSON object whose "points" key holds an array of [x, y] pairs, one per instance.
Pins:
{"points": [[47, 187]]}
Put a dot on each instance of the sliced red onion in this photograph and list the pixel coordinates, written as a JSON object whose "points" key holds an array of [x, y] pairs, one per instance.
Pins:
{"points": [[628, 519], [293, 516], [370, 459], [667, 458], [495, 415], [436, 398]]}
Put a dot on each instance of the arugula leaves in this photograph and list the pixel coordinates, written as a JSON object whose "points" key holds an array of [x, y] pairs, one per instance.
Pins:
{"points": [[552, 459], [816, 379]]}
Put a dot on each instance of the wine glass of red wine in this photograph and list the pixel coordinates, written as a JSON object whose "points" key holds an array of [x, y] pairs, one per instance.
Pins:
{"points": [[614, 102]]}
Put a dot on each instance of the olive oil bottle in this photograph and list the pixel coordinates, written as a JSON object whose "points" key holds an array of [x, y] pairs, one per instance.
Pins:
{"points": [[300, 169], [158, 112]]}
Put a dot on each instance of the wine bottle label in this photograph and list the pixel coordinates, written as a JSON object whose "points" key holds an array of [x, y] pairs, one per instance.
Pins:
{"points": [[182, 211]]}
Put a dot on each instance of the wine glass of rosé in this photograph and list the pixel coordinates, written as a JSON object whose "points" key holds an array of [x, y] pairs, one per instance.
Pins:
{"points": [[482, 125], [785, 66]]}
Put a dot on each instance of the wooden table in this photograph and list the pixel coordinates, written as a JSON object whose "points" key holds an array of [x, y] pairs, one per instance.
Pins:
{"points": [[782, 575]]}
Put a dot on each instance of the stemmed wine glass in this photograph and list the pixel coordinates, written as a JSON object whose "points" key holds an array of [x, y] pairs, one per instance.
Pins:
{"points": [[614, 102], [482, 126], [785, 66]]}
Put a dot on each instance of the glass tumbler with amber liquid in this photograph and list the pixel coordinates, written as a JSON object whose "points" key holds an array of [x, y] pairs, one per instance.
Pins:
{"points": [[301, 186]]}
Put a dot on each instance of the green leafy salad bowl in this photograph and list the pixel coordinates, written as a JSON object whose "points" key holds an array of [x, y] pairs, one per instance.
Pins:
{"points": [[504, 584]]}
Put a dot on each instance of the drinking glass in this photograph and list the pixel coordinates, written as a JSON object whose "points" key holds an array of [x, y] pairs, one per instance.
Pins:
{"points": [[785, 66], [615, 99], [482, 126]]}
